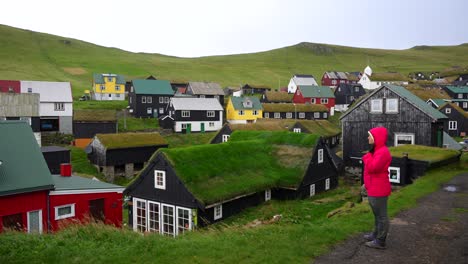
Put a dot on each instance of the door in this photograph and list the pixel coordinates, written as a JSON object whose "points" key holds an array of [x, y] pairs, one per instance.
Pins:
{"points": [[35, 221], [96, 210], [189, 128], [202, 128]]}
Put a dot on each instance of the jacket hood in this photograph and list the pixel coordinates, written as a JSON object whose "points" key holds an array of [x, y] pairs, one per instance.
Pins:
{"points": [[380, 136]]}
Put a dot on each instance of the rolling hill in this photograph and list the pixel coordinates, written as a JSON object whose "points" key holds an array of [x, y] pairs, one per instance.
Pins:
{"points": [[28, 55]]}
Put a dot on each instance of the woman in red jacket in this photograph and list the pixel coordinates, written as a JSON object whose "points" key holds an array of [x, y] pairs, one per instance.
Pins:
{"points": [[377, 184]]}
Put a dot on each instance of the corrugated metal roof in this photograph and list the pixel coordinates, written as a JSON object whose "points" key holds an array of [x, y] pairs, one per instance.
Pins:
{"points": [[304, 80], [23, 167], [203, 104], [309, 91], [206, 88], [332, 75], [341, 75], [49, 91], [156, 87], [239, 103], [99, 78], [80, 183]]}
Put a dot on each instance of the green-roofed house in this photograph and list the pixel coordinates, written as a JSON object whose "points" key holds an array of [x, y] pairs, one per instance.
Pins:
{"points": [[409, 120], [183, 188], [243, 110], [457, 92], [123, 154], [149, 98], [312, 94], [108, 87], [457, 125]]}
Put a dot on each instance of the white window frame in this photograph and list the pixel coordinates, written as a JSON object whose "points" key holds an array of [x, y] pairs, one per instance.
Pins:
{"points": [[320, 156], [166, 99], [71, 214], [452, 125], [397, 178], [143, 99], [266, 115], [210, 113], [140, 227], [302, 115], [117, 87], [327, 184], [465, 104], [161, 100], [373, 109], [183, 125], [255, 112], [149, 110], [241, 112], [185, 113], [184, 229], [448, 110], [324, 101], [312, 100], [356, 89], [405, 135], [316, 115], [267, 195], [387, 105], [149, 99], [211, 124], [460, 96], [297, 130], [149, 219], [160, 174], [312, 190], [225, 138], [59, 106], [277, 115], [130, 99], [117, 95], [288, 115], [174, 230], [40, 221], [218, 212]]}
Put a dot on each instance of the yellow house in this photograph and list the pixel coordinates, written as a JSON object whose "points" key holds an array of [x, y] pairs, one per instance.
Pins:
{"points": [[243, 110], [108, 86]]}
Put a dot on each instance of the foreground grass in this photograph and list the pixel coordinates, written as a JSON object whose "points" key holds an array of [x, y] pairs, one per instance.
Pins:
{"points": [[81, 164], [133, 124], [303, 233]]}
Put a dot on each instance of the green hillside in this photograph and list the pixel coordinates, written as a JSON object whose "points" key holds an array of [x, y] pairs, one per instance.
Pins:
{"points": [[28, 55]]}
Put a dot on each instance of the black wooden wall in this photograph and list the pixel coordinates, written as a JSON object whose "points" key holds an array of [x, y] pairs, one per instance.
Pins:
{"points": [[90, 129]]}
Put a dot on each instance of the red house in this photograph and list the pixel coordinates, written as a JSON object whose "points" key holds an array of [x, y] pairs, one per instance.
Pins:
{"points": [[311, 94], [332, 78], [28, 191], [10, 86]]}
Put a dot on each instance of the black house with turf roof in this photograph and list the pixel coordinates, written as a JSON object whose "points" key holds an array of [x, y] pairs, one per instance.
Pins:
{"points": [[89, 122], [181, 189], [295, 111]]}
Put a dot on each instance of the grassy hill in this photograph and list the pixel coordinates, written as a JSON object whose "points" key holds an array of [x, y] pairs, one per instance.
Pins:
{"points": [[28, 55]]}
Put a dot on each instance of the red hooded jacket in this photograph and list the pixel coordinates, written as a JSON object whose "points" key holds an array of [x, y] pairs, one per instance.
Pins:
{"points": [[376, 165]]}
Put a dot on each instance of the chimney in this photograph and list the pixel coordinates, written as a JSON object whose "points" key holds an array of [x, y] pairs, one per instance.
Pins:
{"points": [[65, 169]]}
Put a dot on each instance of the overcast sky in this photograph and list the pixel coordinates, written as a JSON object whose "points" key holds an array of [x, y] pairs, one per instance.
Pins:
{"points": [[193, 28]]}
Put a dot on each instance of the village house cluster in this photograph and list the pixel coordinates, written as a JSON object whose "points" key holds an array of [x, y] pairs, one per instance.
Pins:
{"points": [[179, 189]]}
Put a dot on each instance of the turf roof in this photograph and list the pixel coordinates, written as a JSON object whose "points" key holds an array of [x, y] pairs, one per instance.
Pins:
{"points": [[278, 96], [265, 124], [294, 108], [320, 127], [95, 115], [273, 159], [129, 140], [388, 76], [456, 107], [423, 153]]}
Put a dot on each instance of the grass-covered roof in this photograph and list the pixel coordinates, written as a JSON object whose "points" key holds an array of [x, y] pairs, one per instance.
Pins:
{"points": [[294, 108], [94, 115], [320, 127], [388, 76], [264, 124], [274, 96], [130, 140], [426, 93], [219, 172], [423, 153]]}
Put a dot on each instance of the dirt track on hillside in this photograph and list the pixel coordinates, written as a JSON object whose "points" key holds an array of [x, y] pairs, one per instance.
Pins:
{"points": [[436, 231]]}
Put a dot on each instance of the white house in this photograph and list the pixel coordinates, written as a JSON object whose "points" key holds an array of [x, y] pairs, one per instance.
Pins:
{"points": [[300, 79], [55, 104]]}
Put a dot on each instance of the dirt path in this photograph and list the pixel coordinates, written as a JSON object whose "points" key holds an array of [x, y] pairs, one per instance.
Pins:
{"points": [[436, 231]]}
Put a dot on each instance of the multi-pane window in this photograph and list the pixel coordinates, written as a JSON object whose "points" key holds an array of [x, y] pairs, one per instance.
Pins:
{"points": [[324, 101], [320, 155], [266, 115], [160, 179], [166, 99], [64, 211], [183, 220], [277, 115], [143, 99], [149, 99], [312, 190], [356, 89], [267, 195], [316, 115], [225, 138], [211, 124], [460, 96], [392, 105], [404, 139], [59, 107], [452, 125], [465, 104], [185, 113], [161, 100], [140, 216], [218, 212], [327, 184], [288, 115], [168, 220], [312, 100], [376, 106], [117, 87], [241, 112], [297, 130], [301, 115], [210, 113], [153, 217]]}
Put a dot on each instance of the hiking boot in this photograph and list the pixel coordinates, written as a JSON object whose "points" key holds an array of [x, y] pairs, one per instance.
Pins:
{"points": [[369, 236], [375, 244]]}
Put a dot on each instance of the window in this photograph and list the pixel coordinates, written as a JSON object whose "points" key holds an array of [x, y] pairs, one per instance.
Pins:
{"points": [[185, 113], [392, 105], [394, 174], [161, 100], [452, 125], [312, 190], [316, 115], [131, 89], [109, 79], [460, 96], [168, 220], [218, 212], [149, 99], [267, 115], [103, 87], [320, 156], [226, 138], [117, 95], [184, 220], [312, 100], [255, 112], [166, 99], [267, 195], [184, 126], [288, 115], [139, 215], [149, 110], [301, 115], [277, 115], [339, 89], [59, 107], [448, 110], [325, 115], [376, 106], [324, 101], [160, 179], [117, 87], [465, 104], [404, 138], [210, 113], [202, 96], [333, 81], [297, 130], [154, 224], [327, 184], [356, 89], [143, 99], [241, 112], [161, 110], [29, 90], [64, 211]]}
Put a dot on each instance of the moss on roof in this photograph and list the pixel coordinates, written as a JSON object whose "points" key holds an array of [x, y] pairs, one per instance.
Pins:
{"points": [[456, 107], [265, 124], [129, 140], [320, 127], [294, 108], [95, 115], [426, 93], [388, 76], [423, 153], [246, 167], [279, 96]]}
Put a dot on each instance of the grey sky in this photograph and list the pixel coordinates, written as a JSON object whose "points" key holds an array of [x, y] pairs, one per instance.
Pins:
{"points": [[192, 28]]}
